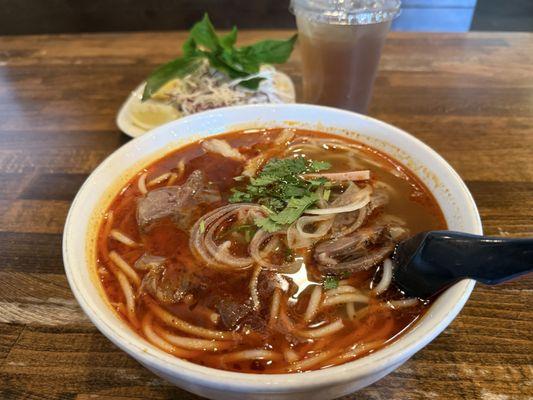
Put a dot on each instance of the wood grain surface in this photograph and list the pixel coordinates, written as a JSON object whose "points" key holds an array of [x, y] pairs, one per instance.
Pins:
{"points": [[469, 96]]}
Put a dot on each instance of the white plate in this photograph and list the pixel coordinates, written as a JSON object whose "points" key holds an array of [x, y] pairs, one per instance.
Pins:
{"points": [[126, 124], [123, 119]]}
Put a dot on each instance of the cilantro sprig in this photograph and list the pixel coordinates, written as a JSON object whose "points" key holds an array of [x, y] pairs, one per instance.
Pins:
{"points": [[281, 189], [331, 282], [236, 62]]}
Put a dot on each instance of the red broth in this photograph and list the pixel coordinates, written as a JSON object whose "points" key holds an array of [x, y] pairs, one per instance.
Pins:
{"points": [[259, 342]]}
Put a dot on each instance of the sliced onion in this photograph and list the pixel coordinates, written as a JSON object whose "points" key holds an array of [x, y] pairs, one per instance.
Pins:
{"points": [[298, 238], [360, 200], [386, 278], [260, 237], [202, 241]]}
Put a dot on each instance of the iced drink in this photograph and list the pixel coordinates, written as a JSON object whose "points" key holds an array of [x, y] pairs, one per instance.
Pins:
{"points": [[341, 49]]}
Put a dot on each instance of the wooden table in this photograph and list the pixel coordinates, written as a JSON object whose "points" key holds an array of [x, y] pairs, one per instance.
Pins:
{"points": [[469, 96]]}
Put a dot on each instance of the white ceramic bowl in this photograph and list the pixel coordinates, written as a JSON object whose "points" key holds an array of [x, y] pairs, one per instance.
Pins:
{"points": [[78, 249]]}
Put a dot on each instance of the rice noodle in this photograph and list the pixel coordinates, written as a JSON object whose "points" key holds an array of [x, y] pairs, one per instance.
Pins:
{"points": [[161, 343], [223, 148], [314, 304], [181, 169], [206, 312], [172, 179], [310, 362], [141, 183], [358, 350], [127, 290], [345, 298], [159, 179], [193, 343], [177, 323], [396, 304], [386, 278], [254, 354], [274, 307], [350, 311], [341, 290], [290, 355], [254, 293], [120, 307], [126, 268], [322, 331], [285, 136], [105, 234], [253, 164], [284, 318], [360, 200], [122, 238]]}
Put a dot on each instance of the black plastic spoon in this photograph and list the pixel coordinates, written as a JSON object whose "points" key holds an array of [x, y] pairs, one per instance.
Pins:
{"points": [[430, 262]]}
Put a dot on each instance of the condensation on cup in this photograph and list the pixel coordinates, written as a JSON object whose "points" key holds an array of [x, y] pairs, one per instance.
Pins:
{"points": [[340, 43]]}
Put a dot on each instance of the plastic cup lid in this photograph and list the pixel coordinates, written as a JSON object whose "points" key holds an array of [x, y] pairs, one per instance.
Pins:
{"points": [[347, 12]]}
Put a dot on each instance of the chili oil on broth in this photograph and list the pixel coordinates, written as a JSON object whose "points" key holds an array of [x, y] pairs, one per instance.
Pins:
{"points": [[257, 343]]}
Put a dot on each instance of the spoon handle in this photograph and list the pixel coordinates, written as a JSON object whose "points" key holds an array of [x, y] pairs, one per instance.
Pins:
{"points": [[490, 260]]}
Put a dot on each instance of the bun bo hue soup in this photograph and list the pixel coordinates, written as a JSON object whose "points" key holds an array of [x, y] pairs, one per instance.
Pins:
{"points": [[264, 251]]}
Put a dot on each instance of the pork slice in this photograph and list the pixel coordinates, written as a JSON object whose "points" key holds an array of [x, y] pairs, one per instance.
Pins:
{"points": [[182, 203]]}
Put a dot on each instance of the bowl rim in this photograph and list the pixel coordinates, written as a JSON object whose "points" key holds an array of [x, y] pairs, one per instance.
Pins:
{"points": [[392, 354]]}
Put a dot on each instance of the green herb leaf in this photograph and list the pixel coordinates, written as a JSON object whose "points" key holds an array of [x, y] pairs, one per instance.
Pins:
{"points": [[318, 166], [270, 51], [331, 282], [177, 68], [238, 196], [295, 207], [204, 34], [317, 181], [228, 41], [285, 167], [280, 187], [204, 43], [246, 229], [189, 48], [268, 225]]}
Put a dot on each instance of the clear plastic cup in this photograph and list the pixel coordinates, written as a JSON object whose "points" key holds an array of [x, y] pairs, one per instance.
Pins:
{"points": [[340, 43]]}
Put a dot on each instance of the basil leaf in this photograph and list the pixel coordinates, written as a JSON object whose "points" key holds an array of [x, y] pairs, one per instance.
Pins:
{"points": [[189, 48], [218, 63], [176, 68], [270, 51], [203, 42], [228, 41], [204, 34]]}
